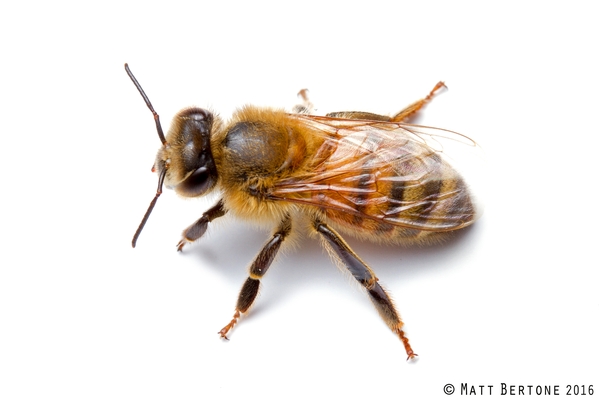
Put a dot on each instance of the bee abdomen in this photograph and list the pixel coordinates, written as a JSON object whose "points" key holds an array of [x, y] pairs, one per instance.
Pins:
{"points": [[412, 201]]}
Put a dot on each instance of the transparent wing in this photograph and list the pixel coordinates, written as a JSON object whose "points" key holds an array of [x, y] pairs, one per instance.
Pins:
{"points": [[396, 173]]}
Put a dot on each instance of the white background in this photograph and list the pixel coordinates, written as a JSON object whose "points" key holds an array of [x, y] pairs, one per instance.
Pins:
{"points": [[83, 316]]}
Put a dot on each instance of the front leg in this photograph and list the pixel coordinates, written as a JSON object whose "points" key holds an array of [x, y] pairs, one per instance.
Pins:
{"points": [[366, 277], [259, 267], [198, 228]]}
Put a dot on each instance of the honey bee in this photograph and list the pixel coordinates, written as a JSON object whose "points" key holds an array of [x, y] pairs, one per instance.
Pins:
{"points": [[371, 176]]}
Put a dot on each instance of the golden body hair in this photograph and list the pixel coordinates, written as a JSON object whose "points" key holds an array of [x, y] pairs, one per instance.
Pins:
{"points": [[372, 180], [368, 175]]}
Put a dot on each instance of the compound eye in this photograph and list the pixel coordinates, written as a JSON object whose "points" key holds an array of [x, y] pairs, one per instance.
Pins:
{"points": [[199, 182]]}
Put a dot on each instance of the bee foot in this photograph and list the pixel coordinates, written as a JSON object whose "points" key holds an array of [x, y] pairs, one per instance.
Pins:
{"points": [[223, 332]]}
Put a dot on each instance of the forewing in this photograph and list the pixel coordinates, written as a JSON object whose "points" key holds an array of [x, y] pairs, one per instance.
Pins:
{"points": [[391, 172]]}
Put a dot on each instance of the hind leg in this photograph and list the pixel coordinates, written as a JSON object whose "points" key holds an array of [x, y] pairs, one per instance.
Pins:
{"points": [[366, 277], [411, 110], [402, 116]]}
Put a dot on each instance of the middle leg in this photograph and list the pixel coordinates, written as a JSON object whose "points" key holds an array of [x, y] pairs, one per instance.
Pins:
{"points": [[259, 267], [307, 106]]}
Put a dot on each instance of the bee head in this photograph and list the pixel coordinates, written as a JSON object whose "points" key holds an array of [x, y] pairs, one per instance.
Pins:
{"points": [[184, 162], [185, 156]]}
